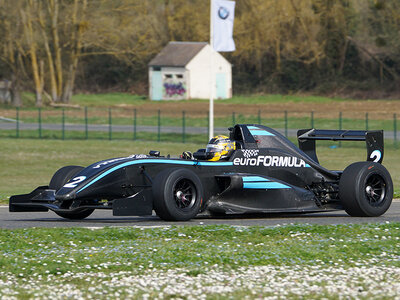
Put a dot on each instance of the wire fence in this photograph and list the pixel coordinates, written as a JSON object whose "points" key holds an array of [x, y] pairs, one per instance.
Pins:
{"points": [[183, 126]]}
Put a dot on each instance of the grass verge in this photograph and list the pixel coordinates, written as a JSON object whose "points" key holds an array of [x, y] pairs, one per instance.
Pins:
{"points": [[116, 99], [121, 98], [298, 261]]}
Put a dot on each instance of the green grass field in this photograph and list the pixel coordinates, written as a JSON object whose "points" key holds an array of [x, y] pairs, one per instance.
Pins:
{"points": [[115, 99], [202, 262], [27, 163], [121, 98]]}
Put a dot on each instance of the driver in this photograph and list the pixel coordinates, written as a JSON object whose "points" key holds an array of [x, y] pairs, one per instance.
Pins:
{"points": [[219, 147]]}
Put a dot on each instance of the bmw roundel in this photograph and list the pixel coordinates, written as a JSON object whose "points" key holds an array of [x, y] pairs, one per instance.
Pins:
{"points": [[223, 13]]}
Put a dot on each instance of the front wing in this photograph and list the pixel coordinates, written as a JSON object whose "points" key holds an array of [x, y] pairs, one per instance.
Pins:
{"points": [[42, 199]]}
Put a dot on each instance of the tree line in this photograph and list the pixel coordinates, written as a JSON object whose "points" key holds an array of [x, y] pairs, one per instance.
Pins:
{"points": [[54, 47]]}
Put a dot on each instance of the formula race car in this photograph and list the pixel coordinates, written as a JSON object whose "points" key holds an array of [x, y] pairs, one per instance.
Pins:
{"points": [[262, 173]]}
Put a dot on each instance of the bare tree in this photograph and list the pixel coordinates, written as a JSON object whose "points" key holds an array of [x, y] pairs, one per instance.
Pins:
{"points": [[44, 43], [282, 30], [52, 59], [11, 50]]}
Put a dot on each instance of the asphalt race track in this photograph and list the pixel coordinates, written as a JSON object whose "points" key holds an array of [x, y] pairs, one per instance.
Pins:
{"points": [[101, 218]]}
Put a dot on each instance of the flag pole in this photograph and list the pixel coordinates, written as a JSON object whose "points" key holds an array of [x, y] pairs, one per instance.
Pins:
{"points": [[211, 108]]}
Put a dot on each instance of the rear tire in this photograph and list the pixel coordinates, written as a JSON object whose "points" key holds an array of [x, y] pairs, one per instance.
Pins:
{"points": [[366, 189], [60, 178], [177, 194]]}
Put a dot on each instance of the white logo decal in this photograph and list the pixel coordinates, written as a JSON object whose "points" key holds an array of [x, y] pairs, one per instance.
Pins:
{"points": [[104, 163], [377, 155], [138, 156], [270, 161], [250, 152], [74, 182]]}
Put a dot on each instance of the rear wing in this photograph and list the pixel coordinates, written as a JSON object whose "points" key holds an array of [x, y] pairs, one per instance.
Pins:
{"points": [[372, 138]]}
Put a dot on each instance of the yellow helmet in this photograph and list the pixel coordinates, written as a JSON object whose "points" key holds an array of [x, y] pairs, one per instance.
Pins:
{"points": [[219, 147]]}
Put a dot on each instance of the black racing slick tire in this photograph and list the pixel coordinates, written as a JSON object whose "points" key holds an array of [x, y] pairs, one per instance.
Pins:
{"points": [[60, 178], [177, 194], [366, 189]]}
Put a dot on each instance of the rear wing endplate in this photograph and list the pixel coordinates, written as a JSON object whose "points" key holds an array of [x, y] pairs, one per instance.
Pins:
{"points": [[372, 138]]}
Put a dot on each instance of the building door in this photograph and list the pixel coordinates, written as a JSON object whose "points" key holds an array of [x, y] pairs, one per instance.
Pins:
{"points": [[156, 85], [221, 86]]}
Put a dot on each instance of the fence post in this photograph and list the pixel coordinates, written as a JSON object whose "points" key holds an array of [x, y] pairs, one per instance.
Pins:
{"points": [[183, 127], [40, 122], [312, 119], [86, 123], [233, 118], [63, 124], [286, 123], [395, 129], [109, 124], [17, 128], [208, 124], [159, 127], [340, 126], [259, 117], [366, 121], [134, 124]]}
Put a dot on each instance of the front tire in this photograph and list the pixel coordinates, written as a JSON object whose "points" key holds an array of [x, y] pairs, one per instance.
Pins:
{"points": [[60, 178], [177, 194], [366, 189]]}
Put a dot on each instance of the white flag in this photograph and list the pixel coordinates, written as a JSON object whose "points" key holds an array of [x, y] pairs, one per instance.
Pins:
{"points": [[223, 14]]}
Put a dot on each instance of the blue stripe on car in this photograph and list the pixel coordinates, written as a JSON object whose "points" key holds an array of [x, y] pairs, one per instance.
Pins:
{"points": [[258, 182], [160, 161], [254, 178], [261, 132], [264, 185]]}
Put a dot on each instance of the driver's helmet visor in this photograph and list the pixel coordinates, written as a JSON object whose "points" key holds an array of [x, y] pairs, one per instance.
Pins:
{"points": [[212, 148]]}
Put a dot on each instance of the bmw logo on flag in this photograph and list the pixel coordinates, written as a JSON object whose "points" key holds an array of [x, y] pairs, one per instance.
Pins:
{"points": [[223, 13]]}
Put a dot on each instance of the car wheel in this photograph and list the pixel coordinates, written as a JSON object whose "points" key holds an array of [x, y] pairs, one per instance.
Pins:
{"points": [[177, 194], [60, 178], [366, 189]]}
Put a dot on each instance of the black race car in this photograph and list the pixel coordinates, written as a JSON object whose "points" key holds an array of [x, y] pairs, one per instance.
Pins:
{"points": [[265, 174]]}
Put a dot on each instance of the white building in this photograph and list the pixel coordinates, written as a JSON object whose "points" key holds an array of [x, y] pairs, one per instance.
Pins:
{"points": [[182, 71]]}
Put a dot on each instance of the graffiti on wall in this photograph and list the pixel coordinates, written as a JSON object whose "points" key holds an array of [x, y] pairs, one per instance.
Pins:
{"points": [[174, 88]]}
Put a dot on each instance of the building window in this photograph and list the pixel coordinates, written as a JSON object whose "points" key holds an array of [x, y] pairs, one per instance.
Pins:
{"points": [[168, 75], [180, 76], [156, 68]]}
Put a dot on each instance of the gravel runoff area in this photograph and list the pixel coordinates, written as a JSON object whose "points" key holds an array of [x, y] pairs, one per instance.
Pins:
{"points": [[268, 282]]}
